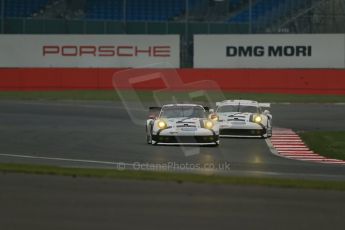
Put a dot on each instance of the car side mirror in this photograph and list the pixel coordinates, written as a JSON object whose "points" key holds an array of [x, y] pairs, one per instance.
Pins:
{"points": [[266, 112], [152, 116]]}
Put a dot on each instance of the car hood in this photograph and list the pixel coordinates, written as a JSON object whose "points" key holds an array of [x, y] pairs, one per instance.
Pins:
{"points": [[235, 116], [184, 122]]}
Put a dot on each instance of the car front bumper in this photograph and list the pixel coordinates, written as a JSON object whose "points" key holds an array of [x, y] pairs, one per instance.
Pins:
{"points": [[172, 137], [246, 130]]}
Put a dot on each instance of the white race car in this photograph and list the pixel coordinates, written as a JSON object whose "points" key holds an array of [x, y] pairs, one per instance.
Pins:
{"points": [[243, 118], [176, 124]]}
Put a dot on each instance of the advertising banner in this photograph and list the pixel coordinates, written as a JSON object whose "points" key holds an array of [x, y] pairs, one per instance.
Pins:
{"points": [[89, 50], [270, 51]]}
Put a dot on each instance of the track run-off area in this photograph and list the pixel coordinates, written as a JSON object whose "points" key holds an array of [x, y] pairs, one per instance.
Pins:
{"points": [[103, 135]]}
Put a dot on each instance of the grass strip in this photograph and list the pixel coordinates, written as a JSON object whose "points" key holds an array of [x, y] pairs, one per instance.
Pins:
{"points": [[171, 177], [328, 144], [145, 95]]}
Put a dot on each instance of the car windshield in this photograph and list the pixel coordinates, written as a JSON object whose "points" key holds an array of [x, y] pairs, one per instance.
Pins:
{"points": [[248, 109], [182, 111], [237, 108], [227, 109]]}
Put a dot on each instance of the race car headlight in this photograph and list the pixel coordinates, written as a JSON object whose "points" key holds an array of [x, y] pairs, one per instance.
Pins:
{"points": [[257, 118], [208, 124], [214, 117], [162, 124]]}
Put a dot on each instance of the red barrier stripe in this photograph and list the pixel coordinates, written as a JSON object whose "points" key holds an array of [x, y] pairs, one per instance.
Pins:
{"points": [[298, 81]]}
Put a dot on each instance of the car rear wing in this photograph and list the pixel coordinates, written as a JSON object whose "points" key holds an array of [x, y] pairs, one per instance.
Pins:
{"points": [[265, 105], [154, 111]]}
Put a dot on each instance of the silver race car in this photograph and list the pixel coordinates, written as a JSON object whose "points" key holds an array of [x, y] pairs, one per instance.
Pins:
{"points": [[243, 118], [176, 124]]}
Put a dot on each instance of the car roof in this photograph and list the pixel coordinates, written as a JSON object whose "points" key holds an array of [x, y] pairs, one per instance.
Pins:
{"points": [[172, 105], [238, 102]]}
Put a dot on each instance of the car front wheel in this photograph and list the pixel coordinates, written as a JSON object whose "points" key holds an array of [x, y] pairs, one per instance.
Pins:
{"points": [[148, 137]]}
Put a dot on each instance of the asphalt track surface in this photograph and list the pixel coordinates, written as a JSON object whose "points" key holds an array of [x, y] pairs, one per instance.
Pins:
{"points": [[90, 134], [102, 134], [52, 202]]}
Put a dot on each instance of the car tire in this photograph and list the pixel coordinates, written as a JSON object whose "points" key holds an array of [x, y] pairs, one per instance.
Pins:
{"points": [[269, 135], [148, 137]]}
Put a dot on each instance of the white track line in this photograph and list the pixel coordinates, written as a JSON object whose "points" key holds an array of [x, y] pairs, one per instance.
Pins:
{"points": [[285, 135], [58, 159], [286, 138], [299, 153], [287, 141], [123, 165], [290, 146]]}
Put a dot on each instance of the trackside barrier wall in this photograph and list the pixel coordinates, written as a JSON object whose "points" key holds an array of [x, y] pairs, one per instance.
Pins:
{"points": [[81, 62], [323, 81]]}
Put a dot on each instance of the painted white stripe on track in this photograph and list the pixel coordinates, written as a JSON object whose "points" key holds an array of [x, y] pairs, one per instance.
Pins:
{"points": [[307, 157], [290, 146], [297, 149], [285, 138], [297, 153], [58, 159], [288, 141], [300, 155], [280, 135]]}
